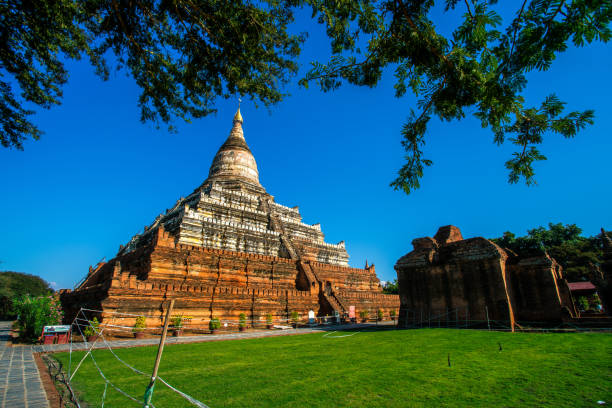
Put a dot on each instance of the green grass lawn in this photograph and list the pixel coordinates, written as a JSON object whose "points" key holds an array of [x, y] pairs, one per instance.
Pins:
{"points": [[404, 368]]}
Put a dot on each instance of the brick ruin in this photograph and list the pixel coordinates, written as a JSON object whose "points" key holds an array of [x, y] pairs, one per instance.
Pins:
{"points": [[225, 249], [474, 279]]}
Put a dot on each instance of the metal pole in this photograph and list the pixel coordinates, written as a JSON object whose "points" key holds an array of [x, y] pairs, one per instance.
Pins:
{"points": [[149, 391], [488, 322]]}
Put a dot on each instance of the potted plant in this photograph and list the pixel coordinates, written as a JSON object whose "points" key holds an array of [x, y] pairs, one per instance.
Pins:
{"points": [[242, 322], [92, 330], [392, 314], [364, 315], [139, 326], [268, 321], [177, 324], [583, 303], [295, 318], [214, 325], [595, 301], [379, 315]]}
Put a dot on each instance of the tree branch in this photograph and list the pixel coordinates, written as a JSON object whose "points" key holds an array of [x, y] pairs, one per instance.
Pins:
{"points": [[550, 20], [468, 9], [416, 29], [130, 37], [520, 14], [340, 69]]}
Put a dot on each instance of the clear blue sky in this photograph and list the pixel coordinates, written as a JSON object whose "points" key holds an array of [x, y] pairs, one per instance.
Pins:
{"points": [[98, 175]]}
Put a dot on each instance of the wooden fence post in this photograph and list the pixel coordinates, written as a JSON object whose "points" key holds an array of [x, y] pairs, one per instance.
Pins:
{"points": [[149, 391]]}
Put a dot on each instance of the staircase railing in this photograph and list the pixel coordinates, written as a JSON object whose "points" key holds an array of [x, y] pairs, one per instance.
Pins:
{"points": [[334, 301], [310, 276], [344, 308]]}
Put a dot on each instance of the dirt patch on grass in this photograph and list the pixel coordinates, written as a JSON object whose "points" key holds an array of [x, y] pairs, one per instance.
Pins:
{"points": [[55, 382], [52, 395]]}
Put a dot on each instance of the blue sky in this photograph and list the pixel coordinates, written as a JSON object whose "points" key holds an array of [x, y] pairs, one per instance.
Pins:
{"points": [[98, 175]]}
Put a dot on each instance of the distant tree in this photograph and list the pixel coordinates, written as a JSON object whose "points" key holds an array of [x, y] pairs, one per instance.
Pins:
{"points": [[575, 253], [185, 54], [391, 288], [14, 285]]}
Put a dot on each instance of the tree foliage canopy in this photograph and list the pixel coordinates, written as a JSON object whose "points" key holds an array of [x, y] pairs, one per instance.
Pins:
{"points": [[184, 54], [481, 67], [575, 253]]}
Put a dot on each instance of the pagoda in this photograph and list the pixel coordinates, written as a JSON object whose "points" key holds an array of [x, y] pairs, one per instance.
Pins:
{"points": [[225, 249]]}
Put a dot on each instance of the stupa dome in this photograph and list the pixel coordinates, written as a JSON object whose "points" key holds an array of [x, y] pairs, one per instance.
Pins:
{"points": [[234, 160]]}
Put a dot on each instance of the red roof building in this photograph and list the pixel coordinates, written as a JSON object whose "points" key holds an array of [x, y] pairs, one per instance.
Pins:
{"points": [[581, 286]]}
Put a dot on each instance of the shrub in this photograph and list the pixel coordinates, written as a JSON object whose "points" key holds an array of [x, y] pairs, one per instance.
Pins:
{"points": [[36, 312], [242, 320], [364, 314], [379, 314], [268, 318], [214, 324], [141, 323], [177, 321], [295, 317], [392, 314], [93, 328]]}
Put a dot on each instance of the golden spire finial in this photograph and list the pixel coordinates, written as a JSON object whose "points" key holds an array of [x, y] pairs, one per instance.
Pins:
{"points": [[238, 116]]}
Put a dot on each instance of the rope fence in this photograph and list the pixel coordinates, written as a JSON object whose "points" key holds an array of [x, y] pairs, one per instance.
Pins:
{"points": [[81, 323], [458, 318], [226, 325], [106, 380]]}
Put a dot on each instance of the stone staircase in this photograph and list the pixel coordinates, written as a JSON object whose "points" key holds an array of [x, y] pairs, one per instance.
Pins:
{"points": [[277, 225], [334, 303], [313, 281], [340, 302], [310, 275]]}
